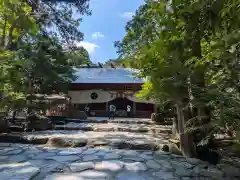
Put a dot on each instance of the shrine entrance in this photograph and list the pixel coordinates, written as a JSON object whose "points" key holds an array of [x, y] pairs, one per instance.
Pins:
{"points": [[121, 103], [121, 106]]}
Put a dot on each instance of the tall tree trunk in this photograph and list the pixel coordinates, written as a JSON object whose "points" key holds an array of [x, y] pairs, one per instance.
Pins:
{"points": [[2, 40], [198, 80], [186, 144], [11, 29], [198, 77], [10, 34], [29, 102], [175, 130]]}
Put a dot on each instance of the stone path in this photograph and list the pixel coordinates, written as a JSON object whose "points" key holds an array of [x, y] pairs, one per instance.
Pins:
{"points": [[137, 135], [116, 120], [25, 162], [113, 127], [112, 139]]}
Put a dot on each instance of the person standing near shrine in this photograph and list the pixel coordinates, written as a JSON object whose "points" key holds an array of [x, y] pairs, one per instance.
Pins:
{"points": [[112, 110], [129, 108], [87, 109]]}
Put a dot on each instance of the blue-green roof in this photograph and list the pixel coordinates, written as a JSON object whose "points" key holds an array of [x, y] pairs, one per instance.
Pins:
{"points": [[107, 75]]}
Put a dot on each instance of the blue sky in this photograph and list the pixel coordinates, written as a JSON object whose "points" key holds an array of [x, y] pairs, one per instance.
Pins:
{"points": [[106, 25]]}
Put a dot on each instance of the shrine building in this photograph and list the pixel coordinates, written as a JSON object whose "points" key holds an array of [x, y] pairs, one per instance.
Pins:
{"points": [[98, 87]]}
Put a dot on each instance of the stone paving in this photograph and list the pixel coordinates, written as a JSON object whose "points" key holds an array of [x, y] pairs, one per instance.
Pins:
{"points": [[113, 139], [112, 127], [101, 158], [29, 162], [116, 120], [116, 135]]}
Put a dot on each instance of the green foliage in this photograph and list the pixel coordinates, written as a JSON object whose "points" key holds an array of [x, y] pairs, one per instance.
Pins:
{"points": [[190, 51], [45, 65], [116, 62], [33, 38], [79, 56]]}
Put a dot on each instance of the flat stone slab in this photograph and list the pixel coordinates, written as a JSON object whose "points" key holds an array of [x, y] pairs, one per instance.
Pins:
{"points": [[165, 164], [4, 145], [136, 166], [33, 151], [44, 155], [21, 171], [17, 158], [100, 143], [51, 149], [85, 175], [89, 151], [103, 152], [90, 158], [138, 159], [163, 175], [113, 165], [130, 153], [112, 156], [180, 164], [6, 150], [194, 161], [129, 176], [146, 156], [71, 152], [81, 166], [183, 172], [46, 165], [64, 158], [3, 158], [152, 164], [209, 172], [230, 170], [14, 152]]}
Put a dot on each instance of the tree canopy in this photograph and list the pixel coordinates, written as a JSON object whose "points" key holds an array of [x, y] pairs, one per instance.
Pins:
{"points": [[79, 56], [34, 35], [190, 50]]}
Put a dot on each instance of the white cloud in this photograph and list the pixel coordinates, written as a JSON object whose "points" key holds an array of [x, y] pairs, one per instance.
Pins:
{"points": [[90, 47], [127, 15], [97, 35]]}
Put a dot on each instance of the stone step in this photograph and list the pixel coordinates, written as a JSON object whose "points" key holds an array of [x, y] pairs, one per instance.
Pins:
{"points": [[126, 121], [86, 120], [133, 145], [113, 127], [87, 128], [18, 138], [139, 122], [117, 120]]}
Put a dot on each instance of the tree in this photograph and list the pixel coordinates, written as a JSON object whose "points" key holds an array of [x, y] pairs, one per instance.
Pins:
{"points": [[184, 48], [45, 65], [78, 56], [16, 20], [59, 19], [116, 62], [32, 35]]}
